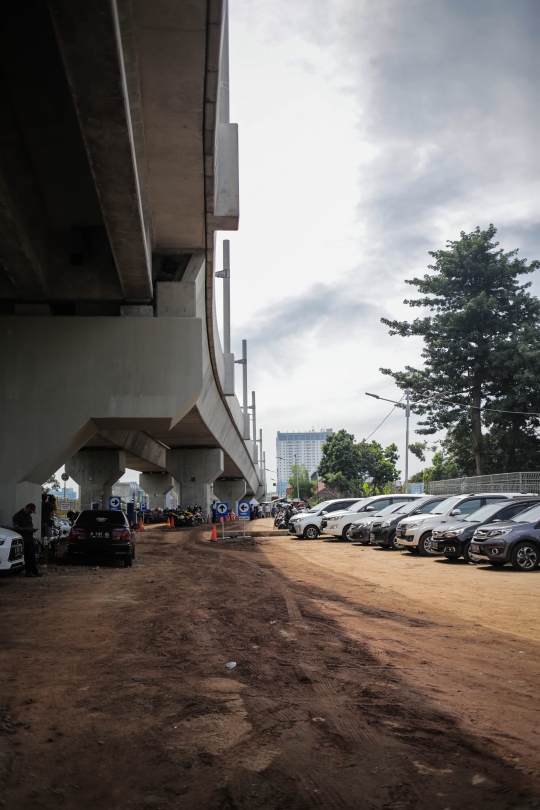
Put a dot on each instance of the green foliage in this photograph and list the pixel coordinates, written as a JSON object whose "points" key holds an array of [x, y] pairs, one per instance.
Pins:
{"points": [[52, 484], [481, 346], [418, 450], [361, 468], [306, 486]]}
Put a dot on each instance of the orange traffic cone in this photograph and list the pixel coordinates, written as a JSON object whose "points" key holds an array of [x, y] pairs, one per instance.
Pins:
{"points": [[141, 525], [213, 536], [208, 518], [169, 522]]}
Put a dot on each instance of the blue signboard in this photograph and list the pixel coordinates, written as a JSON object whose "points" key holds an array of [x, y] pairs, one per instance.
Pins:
{"points": [[222, 509], [115, 503], [244, 510]]}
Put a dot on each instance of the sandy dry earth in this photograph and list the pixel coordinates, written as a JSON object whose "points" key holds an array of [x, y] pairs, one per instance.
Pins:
{"points": [[364, 679]]}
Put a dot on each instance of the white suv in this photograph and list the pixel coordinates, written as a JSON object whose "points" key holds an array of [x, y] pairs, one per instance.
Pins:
{"points": [[308, 524], [11, 550], [339, 523], [414, 533]]}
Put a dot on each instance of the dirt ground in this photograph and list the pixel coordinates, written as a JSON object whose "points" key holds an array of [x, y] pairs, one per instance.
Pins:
{"points": [[364, 678]]}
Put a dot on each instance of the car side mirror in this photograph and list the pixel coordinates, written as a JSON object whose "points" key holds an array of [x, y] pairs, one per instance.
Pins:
{"points": [[370, 508], [324, 512], [455, 512]]}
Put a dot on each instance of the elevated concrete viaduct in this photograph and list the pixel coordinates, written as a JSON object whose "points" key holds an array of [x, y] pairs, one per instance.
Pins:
{"points": [[118, 164]]}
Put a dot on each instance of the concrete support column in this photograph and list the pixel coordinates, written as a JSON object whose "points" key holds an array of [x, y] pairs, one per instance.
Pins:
{"points": [[196, 470], [96, 472], [156, 485], [231, 492]]}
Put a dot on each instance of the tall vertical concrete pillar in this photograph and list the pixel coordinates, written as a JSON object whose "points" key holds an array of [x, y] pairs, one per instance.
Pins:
{"points": [[96, 472], [156, 485], [231, 492], [195, 470]]}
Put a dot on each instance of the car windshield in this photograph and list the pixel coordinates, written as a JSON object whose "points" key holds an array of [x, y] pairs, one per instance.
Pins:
{"points": [[445, 506], [360, 505], [411, 506], [483, 513], [319, 506], [100, 517], [528, 516]]}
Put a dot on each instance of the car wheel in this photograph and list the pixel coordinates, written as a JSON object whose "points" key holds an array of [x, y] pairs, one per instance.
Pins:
{"points": [[467, 554], [392, 542], [128, 562], [345, 532], [525, 557], [424, 545], [311, 533]]}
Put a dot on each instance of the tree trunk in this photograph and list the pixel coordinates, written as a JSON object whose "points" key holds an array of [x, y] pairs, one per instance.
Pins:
{"points": [[476, 423]]}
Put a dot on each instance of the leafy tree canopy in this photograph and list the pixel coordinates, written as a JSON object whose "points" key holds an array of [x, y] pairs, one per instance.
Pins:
{"points": [[481, 344], [359, 468], [52, 484], [306, 486]]}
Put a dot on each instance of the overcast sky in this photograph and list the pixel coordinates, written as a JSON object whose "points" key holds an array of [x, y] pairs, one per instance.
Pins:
{"points": [[370, 133]]}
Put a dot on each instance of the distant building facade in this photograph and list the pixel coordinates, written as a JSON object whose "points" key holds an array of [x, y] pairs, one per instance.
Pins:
{"points": [[306, 447]]}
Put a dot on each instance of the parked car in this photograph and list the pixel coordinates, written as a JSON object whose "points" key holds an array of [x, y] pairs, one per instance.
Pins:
{"points": [[308, 524], [454, 539], [339, 524], [11, 550], [415, 534], [101, 534], [361, 529], [383, 530], [516, 541]]}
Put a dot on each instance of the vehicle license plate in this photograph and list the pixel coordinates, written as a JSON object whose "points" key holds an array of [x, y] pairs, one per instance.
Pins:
{"points": [[434, 544], [371, 536], [100, 535], [474, 547]]}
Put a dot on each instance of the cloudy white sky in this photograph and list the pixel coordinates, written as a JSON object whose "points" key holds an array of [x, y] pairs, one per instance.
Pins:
{"points": [[370, 133]]}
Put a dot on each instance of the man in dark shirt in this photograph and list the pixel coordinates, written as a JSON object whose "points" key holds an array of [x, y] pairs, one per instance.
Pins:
{"points": [[22, 523]]}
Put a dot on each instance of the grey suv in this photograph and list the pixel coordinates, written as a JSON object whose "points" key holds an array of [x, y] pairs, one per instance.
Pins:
{"points": [[516, 541]]}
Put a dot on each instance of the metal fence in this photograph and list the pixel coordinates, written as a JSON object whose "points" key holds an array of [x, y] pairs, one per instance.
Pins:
{"points": [[502, 482]]}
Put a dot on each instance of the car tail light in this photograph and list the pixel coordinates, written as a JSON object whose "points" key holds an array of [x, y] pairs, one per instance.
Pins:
{"points": [[122, 534], [76, 534]]}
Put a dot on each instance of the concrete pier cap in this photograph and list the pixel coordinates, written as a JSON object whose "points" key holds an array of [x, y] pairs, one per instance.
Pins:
{"points": [[229, 491], [96, 472], [195, 470], [156, 485]]}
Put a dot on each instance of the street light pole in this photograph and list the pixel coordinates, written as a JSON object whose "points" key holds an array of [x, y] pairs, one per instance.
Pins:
{"points": [[297, 484], [407, 416]]}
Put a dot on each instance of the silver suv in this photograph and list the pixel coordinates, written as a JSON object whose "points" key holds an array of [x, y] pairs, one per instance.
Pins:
{"points": [[414, 533], [308, 524]]}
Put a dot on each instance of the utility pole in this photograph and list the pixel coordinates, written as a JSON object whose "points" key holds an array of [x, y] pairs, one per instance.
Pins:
{"points": [[407, 416], [297, 484], [245, 406], [225, 274], [254, 417]]}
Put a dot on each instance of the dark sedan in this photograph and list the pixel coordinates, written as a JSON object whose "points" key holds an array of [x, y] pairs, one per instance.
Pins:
{"points": [[101, 534], [515, 541], [383, 530], [454, 540]]}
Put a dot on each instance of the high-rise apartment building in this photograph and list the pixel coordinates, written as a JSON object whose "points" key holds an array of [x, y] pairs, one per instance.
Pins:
{"points": [[299, 448]]}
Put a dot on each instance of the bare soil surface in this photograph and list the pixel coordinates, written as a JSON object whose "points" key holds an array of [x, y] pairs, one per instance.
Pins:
{"points": [[363, 679]]}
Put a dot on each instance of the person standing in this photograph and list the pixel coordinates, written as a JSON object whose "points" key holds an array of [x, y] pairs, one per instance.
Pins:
{"points": [[22, 523], [267, 510], [48, 508]]}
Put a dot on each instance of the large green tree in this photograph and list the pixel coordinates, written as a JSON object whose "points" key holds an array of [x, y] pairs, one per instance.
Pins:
{"points": [[306, 486], [358, 468], [484, 325]]}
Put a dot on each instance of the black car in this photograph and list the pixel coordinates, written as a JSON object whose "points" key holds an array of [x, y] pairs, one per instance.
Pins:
{"points": [[454, 540], [101, 534], [516, 541], [383, 529]]}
